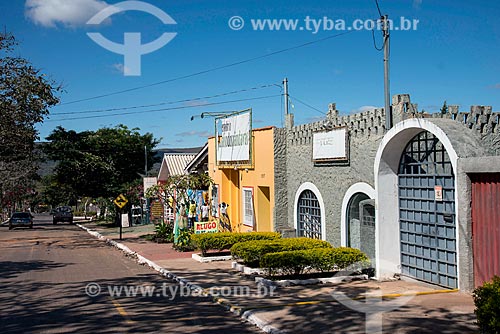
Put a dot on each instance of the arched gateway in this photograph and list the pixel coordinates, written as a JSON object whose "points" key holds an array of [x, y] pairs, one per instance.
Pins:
{"points": [[426, 190]]}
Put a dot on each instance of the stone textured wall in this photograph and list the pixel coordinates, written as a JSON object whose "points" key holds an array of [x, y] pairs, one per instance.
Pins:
{"points": [[366, 131], [280, 181]]}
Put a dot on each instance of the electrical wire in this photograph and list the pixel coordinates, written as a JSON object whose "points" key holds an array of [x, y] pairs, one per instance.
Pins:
{"points": [[378, 8], [307, 105], [375, 43], [211, 69], [164, 103], [164, 109]]}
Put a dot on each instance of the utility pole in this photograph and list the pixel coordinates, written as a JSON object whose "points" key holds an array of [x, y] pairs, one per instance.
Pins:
{"points": [[285, 88], [387, 94], [145, 161], [288, 116]]}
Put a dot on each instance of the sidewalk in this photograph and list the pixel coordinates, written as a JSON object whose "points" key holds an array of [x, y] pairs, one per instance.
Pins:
{"points": [[313, 308]]}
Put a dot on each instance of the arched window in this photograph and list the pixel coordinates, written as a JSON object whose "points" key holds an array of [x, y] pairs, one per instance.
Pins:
{"points": [[308, 215]]}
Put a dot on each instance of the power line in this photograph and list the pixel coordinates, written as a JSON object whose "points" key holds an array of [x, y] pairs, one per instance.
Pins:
{"points": [[211, 69], [375, 43], [378, 8], [164, 103], [308, 105], [165, 109]]}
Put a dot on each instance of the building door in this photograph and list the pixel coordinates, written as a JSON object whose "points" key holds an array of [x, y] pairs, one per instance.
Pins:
{"points": [[427, 212], [361, 224], [485, 226], [309, 215], [264, 218]]}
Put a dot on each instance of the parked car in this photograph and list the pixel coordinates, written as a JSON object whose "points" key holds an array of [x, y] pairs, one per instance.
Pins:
{"points": [[62, 214], [21, 219]]}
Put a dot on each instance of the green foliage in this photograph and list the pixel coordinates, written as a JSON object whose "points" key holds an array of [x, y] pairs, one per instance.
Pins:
{"points": [[225, 240], [286, 263], [251, 252], [26, 95], [487, 301], [184, 243], [444, 109], [175, 189], [320, 259], [164, 232], [100, 163]]}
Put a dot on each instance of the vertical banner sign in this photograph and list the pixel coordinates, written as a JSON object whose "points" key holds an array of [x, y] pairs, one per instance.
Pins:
{"points": [[235, 137], [148, 182]]}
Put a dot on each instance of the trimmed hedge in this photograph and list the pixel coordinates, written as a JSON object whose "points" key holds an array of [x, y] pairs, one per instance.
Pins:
{"points": [[251, 252], [487, 301], [320, 259], [225, 240]]}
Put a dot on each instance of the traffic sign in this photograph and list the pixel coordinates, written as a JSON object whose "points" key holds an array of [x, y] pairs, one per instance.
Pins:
{"points": [[120, 201]]}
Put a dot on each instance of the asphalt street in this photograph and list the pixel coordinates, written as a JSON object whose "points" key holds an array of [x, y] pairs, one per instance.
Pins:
{"points": [[58, 279]]}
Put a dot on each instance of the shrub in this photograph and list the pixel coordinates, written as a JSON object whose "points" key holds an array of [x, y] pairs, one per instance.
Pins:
{"points": [[287, 263], [164, 232], [321, 259], [183, 243], [487, 301], [225, 240], [252, 251]]}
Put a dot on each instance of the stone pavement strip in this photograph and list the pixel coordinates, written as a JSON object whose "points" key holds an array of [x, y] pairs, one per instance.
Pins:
{"points": [[351, 307]]}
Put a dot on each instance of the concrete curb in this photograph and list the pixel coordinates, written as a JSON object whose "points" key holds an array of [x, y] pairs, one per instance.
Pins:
{"points": [[248, 315]]}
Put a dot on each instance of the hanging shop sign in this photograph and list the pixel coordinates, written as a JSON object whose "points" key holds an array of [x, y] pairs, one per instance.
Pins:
{"points": [[234, 134]]}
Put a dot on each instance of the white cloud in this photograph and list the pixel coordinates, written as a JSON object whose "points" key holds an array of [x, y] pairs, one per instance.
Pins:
{"points": [[203, 134], [121, 68], [72, 13], [314, 119], [362, 109]]}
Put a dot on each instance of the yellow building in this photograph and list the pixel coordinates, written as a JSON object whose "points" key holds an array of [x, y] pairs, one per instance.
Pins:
{"points": [[248, 189]]}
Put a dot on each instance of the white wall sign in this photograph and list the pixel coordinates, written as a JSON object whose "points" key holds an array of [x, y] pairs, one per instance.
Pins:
{"points": [[148, 182], [235, 139], [330, 145]]}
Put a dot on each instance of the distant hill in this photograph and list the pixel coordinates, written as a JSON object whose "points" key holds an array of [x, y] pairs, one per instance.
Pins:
{"points": [[161, 151]]}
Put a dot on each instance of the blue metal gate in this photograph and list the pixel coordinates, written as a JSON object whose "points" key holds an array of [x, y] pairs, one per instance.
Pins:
{"points": [[427, 212]]}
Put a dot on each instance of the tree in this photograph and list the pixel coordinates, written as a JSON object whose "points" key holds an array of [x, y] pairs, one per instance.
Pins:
{"points": [[99, 163], [25, 98], [176, 189], [444, 109]]}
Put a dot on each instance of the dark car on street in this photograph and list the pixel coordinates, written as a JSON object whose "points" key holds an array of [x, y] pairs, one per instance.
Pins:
{"points": [[21, 219], [62, 214]]}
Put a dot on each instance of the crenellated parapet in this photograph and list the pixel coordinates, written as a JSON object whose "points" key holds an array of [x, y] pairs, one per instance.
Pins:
{"points": [[366, 123], [372, 122]]}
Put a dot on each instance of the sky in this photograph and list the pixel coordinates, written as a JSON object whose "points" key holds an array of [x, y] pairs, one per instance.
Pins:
{"points": [[214, 63]]}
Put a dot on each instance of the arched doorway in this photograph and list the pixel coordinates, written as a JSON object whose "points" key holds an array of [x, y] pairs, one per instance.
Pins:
{"points": [[426, 192], [361, 223]]}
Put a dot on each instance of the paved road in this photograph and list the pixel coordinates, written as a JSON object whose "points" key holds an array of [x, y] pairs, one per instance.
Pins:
{"points": [[44, 273]]}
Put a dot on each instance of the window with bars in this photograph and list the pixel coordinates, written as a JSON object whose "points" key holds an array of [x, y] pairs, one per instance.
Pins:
{"points": [[309, 215], [248, 213]]}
